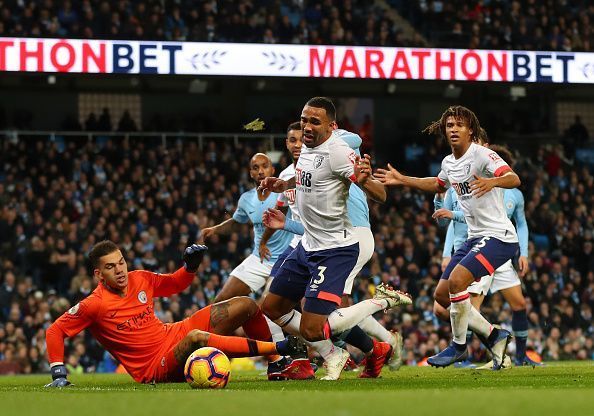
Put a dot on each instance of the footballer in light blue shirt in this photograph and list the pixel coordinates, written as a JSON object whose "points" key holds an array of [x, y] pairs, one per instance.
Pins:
{"points": [[252, 274]]}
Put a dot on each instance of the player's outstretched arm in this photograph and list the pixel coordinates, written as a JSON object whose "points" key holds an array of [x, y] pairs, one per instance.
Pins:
{"points": [[80, 316], [372, 187], [391, 177], [54, 338], [225, 227]]}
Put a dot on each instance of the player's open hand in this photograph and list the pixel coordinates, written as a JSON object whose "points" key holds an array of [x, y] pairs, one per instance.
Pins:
{"points": [[480, 186], [193, 256], [273, 218], [523, 265], [272, 184], [443, 213], [264, 252], [390, 176], [363, 168]]}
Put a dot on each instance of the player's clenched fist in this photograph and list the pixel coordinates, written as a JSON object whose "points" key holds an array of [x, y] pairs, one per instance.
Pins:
{"points": [[193, 256], [272, 184], [363, 168]]}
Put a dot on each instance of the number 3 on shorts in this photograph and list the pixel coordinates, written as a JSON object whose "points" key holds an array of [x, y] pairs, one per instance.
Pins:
{"points": [[321, 270]]}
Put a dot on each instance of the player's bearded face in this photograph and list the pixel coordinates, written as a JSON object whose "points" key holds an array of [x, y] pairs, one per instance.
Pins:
{"points": [[113, 271], [458, 132], [316, 126], [294, 143]]}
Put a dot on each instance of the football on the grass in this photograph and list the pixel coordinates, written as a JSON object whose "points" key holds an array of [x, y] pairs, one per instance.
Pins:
{"points": [[207, 368]]}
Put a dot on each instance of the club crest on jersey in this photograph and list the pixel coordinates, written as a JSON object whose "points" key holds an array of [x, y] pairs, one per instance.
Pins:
{"points": [[74, 309], [318, 160], [142, 296], [467, 169]]}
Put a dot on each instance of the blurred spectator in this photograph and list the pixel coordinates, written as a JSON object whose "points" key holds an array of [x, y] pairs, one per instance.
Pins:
{"points": [[127, 123], [578, 132]]}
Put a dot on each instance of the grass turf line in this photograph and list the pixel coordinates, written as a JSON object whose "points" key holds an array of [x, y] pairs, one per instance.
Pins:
{"points": [[564, 387]]}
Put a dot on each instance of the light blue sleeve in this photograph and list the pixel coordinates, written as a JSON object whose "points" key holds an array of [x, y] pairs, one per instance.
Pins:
{"points": [[521, 223], [459, 216], [352, 139], [449, 205], [293, 226], [240, 215], [448, 245], [439, 204]]}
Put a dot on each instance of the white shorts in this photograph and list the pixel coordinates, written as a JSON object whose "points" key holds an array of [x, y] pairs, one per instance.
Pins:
{"points": [[252, 272], [366, 247], [503, 278]]}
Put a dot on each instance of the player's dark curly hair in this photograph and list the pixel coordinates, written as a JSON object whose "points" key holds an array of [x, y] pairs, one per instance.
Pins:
{"points": [[483, 137], [457, 111], [504, 153], [102, 248], [325, 103], [294, 126]]}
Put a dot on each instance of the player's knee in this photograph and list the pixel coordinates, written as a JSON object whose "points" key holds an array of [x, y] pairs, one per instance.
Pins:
{"points": [[197, 337], [271, 311], [457, 285], [518, 304], [247, 306], [311, 333], [442, 299]]}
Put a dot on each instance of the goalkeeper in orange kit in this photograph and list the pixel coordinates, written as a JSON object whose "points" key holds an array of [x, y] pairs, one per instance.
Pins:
{"points": [[120, 315]]}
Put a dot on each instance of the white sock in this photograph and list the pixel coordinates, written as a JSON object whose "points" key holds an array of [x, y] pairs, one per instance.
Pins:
{"points": [[478, 323], [275, 330], [291, 322], [375, 329], [345, 318], [459, 315]]}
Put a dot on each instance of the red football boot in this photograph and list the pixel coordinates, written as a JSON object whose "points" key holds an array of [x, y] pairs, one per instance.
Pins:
{"points": [[382, 351], [299, 369]]}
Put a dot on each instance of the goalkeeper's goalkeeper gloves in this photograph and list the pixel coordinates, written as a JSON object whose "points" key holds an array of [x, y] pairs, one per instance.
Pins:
{"points": [[59, 376], [193, 257]]}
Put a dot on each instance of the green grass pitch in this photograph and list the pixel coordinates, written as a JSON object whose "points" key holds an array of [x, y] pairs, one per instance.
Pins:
{"points": [[565, 389]]}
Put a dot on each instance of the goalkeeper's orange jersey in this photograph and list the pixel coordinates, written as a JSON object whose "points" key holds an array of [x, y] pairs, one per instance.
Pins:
{"points": [[126, 326]]}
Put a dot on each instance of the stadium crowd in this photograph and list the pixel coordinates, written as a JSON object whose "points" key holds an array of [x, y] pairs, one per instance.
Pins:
{"points": [[503, 24], [154, 201], [497, 24]]}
